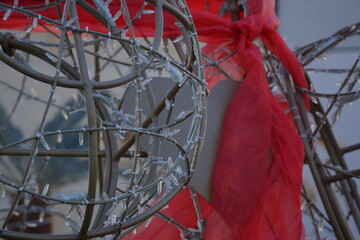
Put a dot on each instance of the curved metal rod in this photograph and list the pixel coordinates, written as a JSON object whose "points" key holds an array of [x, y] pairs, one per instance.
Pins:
{"points": [[97, 232], [121, 197]]}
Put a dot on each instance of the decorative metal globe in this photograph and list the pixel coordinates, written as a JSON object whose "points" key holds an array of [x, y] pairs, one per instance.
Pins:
{"points": [[116, 103]]}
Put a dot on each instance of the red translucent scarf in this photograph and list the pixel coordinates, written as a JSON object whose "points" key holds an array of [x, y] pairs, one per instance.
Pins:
{"points": [[253, 199], [250, 198]]}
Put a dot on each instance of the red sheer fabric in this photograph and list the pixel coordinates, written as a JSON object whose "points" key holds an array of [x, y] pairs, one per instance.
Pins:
{"points": [[255, 198], [251, 197], [181, 209], [143, 26]]}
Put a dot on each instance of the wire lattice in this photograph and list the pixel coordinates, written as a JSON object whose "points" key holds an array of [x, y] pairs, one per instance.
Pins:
{"points": [[337, 215], [134, 125], [335, 177]]}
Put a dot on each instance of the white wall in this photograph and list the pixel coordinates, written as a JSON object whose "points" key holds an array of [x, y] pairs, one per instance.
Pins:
{"points": [[305, 21]]}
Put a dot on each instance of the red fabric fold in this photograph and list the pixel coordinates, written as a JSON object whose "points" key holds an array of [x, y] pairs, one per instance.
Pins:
{"points": [[255, 198], [180, 209]]}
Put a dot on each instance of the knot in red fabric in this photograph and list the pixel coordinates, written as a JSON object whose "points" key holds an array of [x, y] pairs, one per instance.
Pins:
{"points": [[252, 27], [215, 29], [223, 36]]}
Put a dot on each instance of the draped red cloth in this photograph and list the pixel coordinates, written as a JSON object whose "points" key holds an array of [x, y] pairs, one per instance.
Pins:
{"points": [[256, 200], [144, 26], [180, 209], [252, 198]]}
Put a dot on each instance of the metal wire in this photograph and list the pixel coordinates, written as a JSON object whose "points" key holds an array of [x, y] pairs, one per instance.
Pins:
{"points": [[342, 206]]}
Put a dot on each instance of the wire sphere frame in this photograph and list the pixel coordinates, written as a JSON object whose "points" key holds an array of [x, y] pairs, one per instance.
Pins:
{"points": [[189, 73]]}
